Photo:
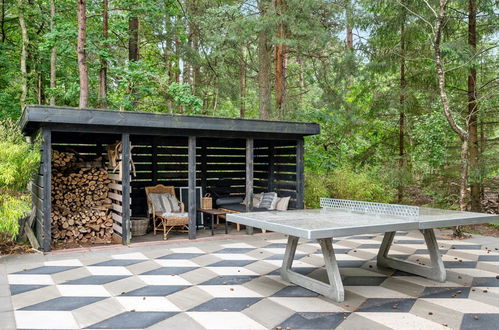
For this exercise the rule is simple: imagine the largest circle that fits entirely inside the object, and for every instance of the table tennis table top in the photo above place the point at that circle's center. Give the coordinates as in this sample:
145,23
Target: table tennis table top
337,222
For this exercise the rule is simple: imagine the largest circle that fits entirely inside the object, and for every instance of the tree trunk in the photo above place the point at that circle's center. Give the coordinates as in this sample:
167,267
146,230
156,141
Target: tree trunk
2,22
133,40
264,67
102,92
463,135
242,84
403,83
82,56
280,62
39,88
473,113
53,55
349,41
24,54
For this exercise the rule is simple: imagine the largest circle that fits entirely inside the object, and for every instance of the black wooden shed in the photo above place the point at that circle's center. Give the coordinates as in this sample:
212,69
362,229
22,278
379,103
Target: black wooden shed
221,155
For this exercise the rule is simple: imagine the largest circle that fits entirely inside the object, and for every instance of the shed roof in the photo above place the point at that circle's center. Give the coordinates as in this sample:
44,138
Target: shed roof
66,118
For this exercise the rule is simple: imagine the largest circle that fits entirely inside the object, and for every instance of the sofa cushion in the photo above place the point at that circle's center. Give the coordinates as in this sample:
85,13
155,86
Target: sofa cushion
228,200
241,208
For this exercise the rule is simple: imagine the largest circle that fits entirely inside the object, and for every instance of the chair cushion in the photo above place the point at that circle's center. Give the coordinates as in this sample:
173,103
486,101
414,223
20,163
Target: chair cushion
160,202
175,214
173,203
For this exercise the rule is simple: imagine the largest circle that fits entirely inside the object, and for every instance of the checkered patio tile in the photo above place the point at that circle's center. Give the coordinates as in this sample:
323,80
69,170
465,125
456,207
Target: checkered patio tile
236,285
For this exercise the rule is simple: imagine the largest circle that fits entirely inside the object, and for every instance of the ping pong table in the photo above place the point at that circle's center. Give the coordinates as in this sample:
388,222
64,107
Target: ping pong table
338,218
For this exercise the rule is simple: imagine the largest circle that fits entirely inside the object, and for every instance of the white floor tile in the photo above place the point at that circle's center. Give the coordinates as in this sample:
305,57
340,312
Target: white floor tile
130,256
229,291
307,304
147,304
163,280
45,320
108,270
30,279
231,271
464,305
225,320
187,250
83,291
233,256
402,321
238,246
176,263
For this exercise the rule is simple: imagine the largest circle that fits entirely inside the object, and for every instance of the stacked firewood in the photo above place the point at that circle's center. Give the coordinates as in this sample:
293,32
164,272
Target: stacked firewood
80,203
491,204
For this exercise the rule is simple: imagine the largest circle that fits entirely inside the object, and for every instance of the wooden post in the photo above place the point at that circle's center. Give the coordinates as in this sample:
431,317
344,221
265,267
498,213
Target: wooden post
300,181
192,187
249,180
126,188
204,172
271,170
47,188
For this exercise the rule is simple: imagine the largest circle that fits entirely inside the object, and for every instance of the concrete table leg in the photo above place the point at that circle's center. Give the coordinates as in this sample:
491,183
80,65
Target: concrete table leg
436,269
334,289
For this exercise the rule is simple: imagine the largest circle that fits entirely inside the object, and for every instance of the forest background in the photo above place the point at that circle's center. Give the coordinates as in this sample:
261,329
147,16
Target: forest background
405,91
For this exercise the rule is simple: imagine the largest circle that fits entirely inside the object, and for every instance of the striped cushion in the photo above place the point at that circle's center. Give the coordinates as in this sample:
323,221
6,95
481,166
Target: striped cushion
267,199
173,203
160,203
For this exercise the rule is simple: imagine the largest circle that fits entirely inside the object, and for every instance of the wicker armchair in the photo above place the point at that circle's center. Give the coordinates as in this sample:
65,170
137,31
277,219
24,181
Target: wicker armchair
161,219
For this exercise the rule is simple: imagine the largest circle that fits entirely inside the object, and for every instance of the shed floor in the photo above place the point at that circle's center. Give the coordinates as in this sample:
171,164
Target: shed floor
235,284
201,233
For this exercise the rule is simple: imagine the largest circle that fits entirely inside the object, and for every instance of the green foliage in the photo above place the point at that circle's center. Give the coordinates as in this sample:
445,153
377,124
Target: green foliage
18,161
346,183
12,208
182,95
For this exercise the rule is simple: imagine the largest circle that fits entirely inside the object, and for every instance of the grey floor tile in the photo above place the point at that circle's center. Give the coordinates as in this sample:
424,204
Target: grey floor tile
155,290
314,320
97,279
169,271
225,305
384,305
133,320
63,304
20,288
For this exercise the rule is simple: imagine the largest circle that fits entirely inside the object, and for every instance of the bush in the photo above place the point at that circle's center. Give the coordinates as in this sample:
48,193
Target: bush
18,161
345,183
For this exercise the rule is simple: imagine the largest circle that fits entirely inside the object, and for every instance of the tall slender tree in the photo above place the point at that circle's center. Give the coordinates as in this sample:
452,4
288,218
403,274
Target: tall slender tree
102,91
264,63
24,53
473,111
280,58
82,56
402,117
53,54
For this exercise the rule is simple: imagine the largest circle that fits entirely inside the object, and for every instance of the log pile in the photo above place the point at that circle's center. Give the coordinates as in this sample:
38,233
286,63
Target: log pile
491,204
80,203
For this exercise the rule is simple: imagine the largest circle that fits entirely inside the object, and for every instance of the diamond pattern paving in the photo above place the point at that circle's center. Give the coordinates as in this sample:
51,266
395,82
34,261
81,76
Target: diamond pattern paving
236,285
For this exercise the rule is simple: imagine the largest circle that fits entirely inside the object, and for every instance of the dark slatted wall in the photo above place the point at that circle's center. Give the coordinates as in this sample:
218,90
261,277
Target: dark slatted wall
275,168
223,166
157,160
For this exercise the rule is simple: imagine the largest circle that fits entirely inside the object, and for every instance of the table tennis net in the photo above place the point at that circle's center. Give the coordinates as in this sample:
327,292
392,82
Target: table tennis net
370,207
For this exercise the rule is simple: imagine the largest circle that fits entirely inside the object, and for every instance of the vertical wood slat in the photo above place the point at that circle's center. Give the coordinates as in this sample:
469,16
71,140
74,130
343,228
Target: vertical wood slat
249,179
300,182
126,188
47,188
192,187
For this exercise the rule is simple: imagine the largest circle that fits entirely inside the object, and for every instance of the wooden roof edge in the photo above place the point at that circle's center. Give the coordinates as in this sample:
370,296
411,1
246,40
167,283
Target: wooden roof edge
37,115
